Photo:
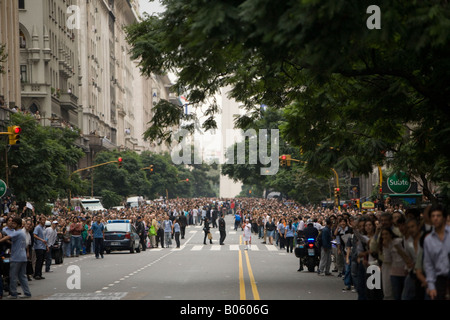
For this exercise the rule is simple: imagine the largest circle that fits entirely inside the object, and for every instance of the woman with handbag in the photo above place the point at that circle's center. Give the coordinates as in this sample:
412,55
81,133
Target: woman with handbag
207,233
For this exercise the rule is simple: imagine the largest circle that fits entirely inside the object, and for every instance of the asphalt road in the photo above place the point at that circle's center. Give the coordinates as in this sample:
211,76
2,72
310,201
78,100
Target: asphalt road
195,272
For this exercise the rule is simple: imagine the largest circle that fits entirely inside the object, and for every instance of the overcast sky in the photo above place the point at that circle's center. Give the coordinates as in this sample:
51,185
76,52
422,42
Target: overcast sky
151,6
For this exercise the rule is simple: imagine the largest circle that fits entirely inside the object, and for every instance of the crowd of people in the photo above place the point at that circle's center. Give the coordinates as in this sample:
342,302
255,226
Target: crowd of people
409,247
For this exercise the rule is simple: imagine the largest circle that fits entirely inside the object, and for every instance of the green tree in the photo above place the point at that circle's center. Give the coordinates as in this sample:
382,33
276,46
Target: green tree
125,181
353,97
111,199
43,161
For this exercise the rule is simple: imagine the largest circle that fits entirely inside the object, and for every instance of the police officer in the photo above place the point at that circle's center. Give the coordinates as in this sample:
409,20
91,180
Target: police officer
309,232
222,231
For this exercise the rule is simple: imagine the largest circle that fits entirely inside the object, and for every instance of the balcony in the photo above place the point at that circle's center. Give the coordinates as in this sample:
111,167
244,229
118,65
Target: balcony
35,90
68,101
98,143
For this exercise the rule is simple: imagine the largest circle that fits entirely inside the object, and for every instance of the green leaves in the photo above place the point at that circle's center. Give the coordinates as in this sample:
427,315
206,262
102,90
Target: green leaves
166,177
365,89
42,161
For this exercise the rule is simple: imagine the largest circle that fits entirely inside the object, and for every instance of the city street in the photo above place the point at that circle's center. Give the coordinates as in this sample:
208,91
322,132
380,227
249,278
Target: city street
193,272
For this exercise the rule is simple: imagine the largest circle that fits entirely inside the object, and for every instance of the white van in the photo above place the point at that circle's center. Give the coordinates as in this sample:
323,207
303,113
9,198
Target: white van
92,204
134,202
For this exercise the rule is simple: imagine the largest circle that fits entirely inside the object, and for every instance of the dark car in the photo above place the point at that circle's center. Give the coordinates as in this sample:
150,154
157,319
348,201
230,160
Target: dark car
121,235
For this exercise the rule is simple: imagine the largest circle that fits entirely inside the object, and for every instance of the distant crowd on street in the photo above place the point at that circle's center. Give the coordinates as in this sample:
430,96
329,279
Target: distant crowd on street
409,247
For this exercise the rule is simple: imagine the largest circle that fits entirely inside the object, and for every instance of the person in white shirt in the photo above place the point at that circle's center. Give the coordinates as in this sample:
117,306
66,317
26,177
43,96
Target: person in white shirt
301,225
194,215
247,234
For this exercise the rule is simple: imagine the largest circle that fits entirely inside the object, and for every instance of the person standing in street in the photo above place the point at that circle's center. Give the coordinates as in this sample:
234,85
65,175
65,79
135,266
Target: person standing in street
140,229
176,230
222,229
289,232
206,229
51,236
247,234
75,237
325,254
167,225
436,250
183,221
214,214
40,247
98,233
18,260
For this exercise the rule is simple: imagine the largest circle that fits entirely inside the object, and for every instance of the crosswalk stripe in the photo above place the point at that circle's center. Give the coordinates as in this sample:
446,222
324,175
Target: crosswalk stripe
215,248
197,248
271,247
234,247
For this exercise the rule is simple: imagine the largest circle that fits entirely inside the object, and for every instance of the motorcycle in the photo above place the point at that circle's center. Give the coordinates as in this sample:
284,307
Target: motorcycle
308,253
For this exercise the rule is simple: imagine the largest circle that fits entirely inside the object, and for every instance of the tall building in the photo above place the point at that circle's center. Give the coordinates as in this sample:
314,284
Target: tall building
69,64
230,109
10,77
49,62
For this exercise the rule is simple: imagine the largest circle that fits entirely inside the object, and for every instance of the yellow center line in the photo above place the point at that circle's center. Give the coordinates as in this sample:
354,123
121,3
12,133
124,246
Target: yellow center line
252,279
241,278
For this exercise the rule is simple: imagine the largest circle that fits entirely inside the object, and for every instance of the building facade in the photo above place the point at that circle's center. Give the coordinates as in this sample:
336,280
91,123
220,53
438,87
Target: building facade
10,89
49,63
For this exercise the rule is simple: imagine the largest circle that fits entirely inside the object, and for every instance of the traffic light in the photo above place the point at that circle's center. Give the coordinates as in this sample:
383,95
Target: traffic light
337,192
283,160
151,170
288,160
14,135
120,160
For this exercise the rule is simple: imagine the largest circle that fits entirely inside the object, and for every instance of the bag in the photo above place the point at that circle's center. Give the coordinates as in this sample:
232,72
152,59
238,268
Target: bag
209,236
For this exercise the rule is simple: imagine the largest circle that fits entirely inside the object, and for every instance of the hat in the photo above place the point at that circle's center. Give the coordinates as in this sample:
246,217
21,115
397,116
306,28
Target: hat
48,223
309,221
55,222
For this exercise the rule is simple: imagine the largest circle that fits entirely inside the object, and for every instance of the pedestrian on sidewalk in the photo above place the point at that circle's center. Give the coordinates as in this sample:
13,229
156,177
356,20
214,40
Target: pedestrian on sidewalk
325,251
18,260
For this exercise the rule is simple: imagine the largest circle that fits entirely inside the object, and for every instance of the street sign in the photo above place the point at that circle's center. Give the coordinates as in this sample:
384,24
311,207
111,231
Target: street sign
399,183
3,188
368,205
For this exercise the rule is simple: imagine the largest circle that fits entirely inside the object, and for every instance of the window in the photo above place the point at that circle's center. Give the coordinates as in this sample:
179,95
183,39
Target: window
23,74
21,4
22,40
